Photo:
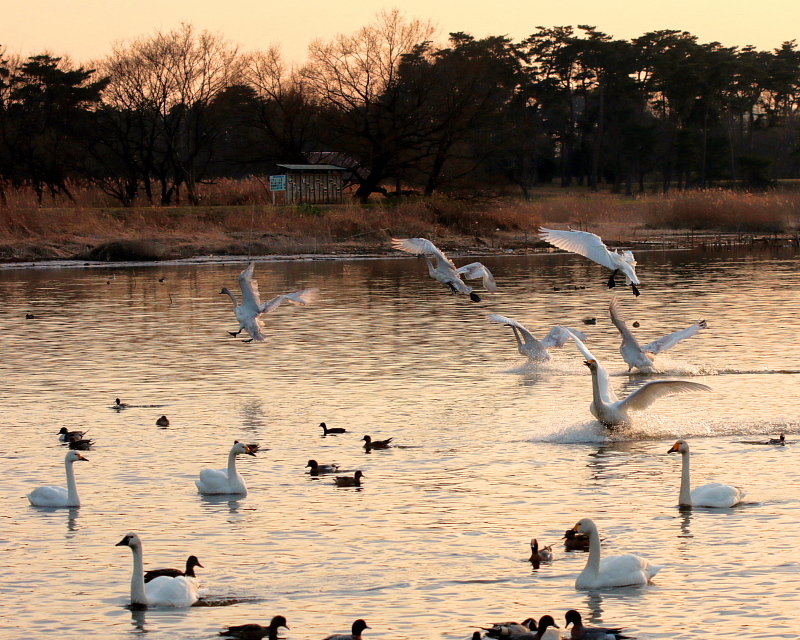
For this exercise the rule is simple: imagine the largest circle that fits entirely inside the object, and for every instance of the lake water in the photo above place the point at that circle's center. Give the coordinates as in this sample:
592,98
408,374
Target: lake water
490,453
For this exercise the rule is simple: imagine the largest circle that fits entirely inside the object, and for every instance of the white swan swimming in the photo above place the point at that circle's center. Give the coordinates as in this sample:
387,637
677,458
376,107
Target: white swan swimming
445,271
251,308
529,346
708,495
610,410
165,591
642,357
59,496
224,481
611,571
591,246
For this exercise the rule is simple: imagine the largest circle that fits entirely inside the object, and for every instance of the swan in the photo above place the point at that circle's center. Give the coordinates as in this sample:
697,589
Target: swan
318,469
642,357
64,435
370,444
612,571
545,554
530,346
191,563
59,496
355,632
224,481
256,631
613,412
251,308
445,271
326,429
591,246
579,632
164,591
347,481
708,495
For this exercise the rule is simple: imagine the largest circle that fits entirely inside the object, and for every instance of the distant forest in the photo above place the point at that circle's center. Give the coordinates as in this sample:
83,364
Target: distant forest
164,114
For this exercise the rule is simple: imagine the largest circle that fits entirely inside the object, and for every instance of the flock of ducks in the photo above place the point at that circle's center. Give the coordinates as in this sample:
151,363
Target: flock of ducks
172,587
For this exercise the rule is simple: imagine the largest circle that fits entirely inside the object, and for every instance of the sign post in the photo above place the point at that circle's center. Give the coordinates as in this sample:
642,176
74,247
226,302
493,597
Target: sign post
277,183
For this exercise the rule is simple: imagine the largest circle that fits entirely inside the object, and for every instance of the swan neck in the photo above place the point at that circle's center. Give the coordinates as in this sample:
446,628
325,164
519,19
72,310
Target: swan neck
231,466
138,595
72,488
598,401
685,496
593,563
233,297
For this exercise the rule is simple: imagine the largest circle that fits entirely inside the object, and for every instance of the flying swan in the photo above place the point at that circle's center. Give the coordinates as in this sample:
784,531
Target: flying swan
529,346
251,308
642,357
164,591
59,496
445,271
611,571
591,246
612,411
225,481
708,495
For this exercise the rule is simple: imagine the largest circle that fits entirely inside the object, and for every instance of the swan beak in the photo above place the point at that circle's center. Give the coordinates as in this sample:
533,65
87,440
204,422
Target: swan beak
80,457
122,543
675,447
221,292
575,528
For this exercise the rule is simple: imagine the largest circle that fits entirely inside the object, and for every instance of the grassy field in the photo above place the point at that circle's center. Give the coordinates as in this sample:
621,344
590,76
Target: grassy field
84,229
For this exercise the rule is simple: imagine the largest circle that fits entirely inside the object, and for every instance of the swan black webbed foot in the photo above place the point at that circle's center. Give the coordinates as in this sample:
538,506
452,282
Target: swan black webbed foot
474,297
635,290
247,341
611,284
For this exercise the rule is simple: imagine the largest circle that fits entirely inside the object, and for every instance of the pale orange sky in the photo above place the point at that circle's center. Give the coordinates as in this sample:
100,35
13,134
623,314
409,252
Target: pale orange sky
85,29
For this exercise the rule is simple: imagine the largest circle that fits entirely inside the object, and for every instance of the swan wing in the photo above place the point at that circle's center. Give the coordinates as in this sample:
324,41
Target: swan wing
607,394
583,243
250,299
716,494
49,497
559,335
627,569
647,394
213,481
172,592
304,297
476,270
419,246
513,323
670,340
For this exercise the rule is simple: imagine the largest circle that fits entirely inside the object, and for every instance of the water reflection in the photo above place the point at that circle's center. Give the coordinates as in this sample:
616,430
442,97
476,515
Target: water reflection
686,521
72,521
138,617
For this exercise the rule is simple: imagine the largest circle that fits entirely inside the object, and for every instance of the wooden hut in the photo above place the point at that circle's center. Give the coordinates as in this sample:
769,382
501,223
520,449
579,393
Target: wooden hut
313,183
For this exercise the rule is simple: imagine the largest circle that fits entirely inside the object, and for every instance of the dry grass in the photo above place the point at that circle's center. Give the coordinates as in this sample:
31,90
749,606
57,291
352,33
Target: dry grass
232,226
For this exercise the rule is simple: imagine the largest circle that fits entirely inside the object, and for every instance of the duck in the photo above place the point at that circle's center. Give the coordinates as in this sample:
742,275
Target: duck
613,412
84,444
30,316
715,495
369,443
592,246
166,591
326,429
319,469
611,571
579,632
59,496
639,357
225,481
574,541
545,554
256,631
248,312
529,346
347,481
191,563
779,441
120,405
163,421
445,271
355,632
510,629
68,436
541,631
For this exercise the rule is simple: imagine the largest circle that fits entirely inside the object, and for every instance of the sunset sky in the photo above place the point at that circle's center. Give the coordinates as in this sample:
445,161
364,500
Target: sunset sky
85,29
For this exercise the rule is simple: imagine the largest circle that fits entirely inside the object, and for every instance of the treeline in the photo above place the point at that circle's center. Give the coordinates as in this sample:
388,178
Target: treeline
166,113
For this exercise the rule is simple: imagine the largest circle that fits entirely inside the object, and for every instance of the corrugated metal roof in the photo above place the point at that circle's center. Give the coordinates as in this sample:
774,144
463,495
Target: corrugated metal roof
312,167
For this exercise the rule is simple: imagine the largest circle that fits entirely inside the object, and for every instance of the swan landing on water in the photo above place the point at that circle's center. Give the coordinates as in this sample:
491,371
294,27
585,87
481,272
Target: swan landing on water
529,346
445,271
251,308
591,246
162,591
612,411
